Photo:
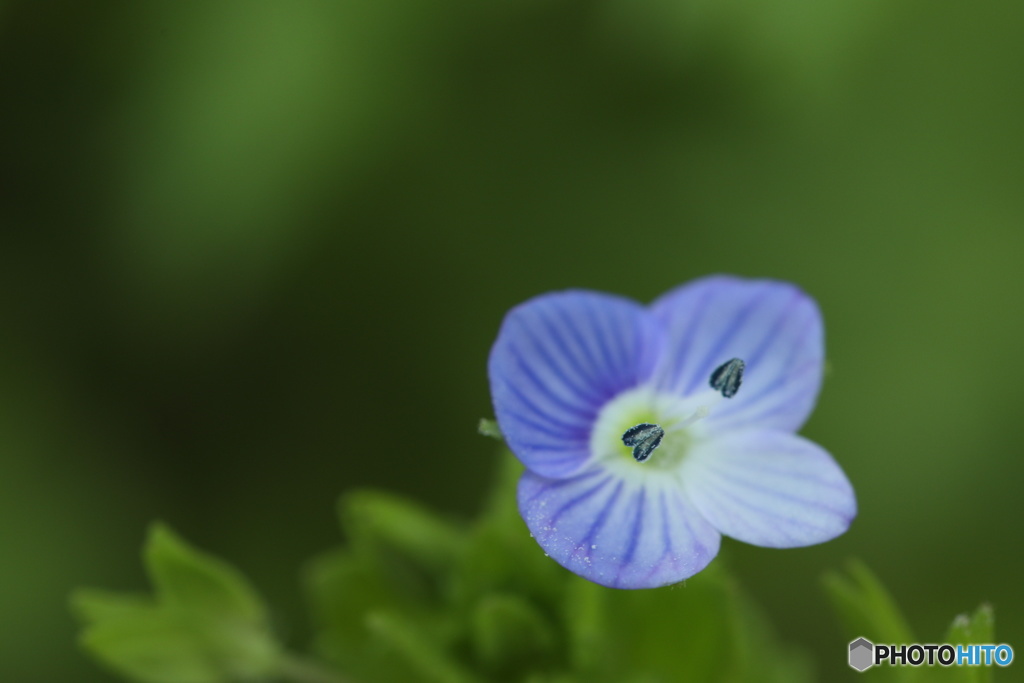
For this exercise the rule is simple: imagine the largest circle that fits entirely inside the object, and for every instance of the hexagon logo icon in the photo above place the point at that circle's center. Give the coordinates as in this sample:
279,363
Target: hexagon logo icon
862,654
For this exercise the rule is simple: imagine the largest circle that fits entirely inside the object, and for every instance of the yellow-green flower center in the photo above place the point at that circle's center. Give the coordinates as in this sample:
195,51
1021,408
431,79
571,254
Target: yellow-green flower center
677,417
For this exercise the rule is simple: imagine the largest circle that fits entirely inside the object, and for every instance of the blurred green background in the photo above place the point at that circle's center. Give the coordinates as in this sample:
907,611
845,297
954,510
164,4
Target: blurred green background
254,254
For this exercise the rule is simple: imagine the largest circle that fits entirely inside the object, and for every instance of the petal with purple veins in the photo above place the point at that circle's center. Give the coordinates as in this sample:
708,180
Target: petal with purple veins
774,327
618,532
769,488
557,360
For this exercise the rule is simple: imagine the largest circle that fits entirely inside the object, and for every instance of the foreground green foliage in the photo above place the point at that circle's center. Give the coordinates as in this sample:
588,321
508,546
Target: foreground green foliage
416,598
204,623
867,610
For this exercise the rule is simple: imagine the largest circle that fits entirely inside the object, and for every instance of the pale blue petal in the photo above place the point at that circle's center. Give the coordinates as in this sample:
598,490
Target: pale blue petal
769,488
617,532
774,327
557,360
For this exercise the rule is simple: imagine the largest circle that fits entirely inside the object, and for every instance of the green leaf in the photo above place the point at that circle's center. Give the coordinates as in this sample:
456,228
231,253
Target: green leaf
973,628
205,625
341,590
511,637
419,649
192,580
420,600
977,628
97,605
703,629
154,647
381,522
344,589
758,656
865,607
400,561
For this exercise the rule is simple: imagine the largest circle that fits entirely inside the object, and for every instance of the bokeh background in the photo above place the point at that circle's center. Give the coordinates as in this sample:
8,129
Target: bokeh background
254,255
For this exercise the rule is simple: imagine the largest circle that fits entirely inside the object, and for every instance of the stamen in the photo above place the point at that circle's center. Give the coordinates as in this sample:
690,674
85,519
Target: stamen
699,414
727,377
644,438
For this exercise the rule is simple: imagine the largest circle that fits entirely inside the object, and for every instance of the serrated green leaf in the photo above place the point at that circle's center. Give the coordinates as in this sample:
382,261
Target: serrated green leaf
161,644
192,580
865,607
90,604
511,637
973,628
968,629
343,589
513,614
758,657
152,646
375,519
205,625
428,657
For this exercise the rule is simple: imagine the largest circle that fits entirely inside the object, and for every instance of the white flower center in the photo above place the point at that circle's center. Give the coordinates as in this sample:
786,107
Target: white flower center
680,418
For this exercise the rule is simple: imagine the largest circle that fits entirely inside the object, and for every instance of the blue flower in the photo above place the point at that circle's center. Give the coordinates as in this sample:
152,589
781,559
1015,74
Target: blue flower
646,439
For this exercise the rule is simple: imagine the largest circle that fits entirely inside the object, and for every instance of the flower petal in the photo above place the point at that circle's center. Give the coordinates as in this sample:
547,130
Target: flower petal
559,358
772,326
617,532
769,488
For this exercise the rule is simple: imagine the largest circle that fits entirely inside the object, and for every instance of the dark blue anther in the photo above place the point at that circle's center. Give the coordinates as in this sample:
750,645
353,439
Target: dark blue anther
727,377
643,439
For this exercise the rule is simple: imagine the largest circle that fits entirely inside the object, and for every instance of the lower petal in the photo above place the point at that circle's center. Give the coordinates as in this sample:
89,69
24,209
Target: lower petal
618,533
771,489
